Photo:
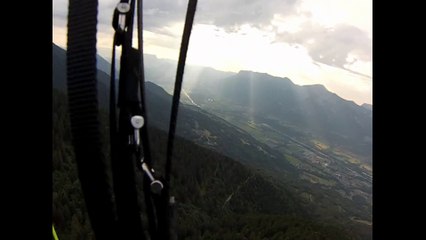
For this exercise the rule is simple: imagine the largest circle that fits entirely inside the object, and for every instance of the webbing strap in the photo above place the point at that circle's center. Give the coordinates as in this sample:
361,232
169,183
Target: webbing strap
83,107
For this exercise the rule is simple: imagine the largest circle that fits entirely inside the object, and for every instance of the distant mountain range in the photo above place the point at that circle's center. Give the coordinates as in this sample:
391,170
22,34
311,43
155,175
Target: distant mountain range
303,112
310,111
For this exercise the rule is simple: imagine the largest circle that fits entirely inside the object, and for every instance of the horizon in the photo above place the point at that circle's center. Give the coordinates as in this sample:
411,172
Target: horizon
305,41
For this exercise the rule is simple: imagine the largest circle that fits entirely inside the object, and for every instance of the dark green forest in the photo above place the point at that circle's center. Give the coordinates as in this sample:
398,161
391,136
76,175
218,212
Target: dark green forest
217,197
69,213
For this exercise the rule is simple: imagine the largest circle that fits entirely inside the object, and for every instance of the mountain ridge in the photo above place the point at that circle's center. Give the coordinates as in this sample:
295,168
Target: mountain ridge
311,109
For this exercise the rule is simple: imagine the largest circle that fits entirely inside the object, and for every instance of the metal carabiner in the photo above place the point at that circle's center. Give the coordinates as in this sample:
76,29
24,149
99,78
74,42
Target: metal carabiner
119,22
122,9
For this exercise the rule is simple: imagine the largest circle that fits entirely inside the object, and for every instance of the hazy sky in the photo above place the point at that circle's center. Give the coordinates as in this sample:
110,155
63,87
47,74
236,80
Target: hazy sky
325,42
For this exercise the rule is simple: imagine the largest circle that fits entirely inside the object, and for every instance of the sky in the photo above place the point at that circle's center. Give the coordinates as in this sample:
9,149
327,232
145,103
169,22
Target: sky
326,42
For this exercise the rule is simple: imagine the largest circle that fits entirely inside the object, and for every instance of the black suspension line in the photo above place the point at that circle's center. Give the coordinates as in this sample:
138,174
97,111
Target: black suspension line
190,14
151,214
178,85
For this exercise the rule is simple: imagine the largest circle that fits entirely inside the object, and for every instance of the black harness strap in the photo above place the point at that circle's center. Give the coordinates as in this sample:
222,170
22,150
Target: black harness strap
83,107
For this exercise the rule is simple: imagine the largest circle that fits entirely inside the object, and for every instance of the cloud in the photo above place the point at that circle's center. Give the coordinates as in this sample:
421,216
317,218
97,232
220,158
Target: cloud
226,14
339,46
162,13
230,15
60,12
166,17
